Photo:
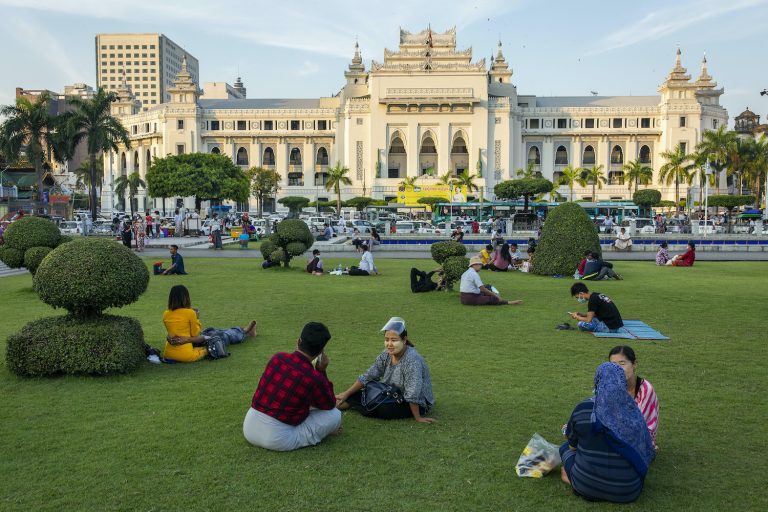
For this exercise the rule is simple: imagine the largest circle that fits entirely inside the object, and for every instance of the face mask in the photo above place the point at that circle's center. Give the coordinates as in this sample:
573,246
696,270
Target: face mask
581,300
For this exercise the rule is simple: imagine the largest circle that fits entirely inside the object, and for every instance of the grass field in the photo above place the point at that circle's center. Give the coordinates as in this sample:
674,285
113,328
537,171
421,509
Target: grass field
168,437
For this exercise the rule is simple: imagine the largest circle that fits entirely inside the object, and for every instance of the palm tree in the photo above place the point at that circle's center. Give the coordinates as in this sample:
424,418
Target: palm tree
92,121
131,183
528,172
637,173
594,175
83,174
467,181
716,146
759,165
699,169
677,169
337,176
28,129
408,181
446,179
570,176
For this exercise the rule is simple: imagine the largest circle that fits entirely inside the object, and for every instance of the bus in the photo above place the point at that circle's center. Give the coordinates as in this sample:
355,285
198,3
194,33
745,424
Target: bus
489,209
620,210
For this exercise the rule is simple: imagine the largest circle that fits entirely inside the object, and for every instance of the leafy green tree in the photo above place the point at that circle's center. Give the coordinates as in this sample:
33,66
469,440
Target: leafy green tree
594,176
446,179
337,176
524,187
294,204
529,171
637,173
730,203
292,238
566,235
264,184
204,176
677,169
91,121
131,184
646,198
571,176
359,203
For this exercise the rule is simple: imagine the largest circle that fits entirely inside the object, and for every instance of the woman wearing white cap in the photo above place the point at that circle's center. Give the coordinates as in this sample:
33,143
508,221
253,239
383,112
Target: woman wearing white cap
401,367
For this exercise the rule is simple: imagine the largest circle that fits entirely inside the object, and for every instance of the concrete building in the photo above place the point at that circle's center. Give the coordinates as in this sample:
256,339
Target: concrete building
426,105
149,62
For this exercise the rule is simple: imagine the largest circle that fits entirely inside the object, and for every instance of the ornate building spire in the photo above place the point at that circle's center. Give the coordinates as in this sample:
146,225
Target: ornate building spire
239,87
356,74
705,80
500,71
184,88
678,74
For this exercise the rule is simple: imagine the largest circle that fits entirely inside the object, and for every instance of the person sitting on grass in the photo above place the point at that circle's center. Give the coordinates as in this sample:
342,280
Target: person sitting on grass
596,269
422,281
315,265
327,234
185,342
609,449
475,293
367,266
294,405
623,241
177,263
399,366
527,265
579,274
502,260
639,389
686,259
486,256
517,257
662,256
602,314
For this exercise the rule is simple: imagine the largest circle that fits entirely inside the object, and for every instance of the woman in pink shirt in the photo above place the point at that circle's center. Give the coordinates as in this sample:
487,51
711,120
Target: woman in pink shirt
502,259
640,389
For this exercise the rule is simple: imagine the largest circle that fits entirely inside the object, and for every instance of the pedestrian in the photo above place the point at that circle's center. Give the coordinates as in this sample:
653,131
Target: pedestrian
216,232
139,232
156,222
126,231
178,220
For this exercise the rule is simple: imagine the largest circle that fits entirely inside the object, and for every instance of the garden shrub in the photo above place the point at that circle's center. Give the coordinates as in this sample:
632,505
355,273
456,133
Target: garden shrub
293,238
567,233
34,256
14,258
277,256
453,268
296,248
646,198
29,232
64,239
100,345
443,250
267,247
89,275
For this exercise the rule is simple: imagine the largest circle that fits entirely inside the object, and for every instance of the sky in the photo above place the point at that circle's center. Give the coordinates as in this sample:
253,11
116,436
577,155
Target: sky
300,49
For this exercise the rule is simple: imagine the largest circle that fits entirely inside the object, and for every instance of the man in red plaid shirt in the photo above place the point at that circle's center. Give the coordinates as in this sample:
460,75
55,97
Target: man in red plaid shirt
294,405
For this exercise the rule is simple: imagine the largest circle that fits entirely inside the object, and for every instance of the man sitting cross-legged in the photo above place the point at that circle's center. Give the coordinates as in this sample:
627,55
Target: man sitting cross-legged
602,314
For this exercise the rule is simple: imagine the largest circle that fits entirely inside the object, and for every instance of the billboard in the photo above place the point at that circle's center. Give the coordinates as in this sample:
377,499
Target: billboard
410,195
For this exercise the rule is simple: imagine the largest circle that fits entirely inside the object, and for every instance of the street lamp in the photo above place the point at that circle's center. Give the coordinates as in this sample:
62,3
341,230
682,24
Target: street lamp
706,195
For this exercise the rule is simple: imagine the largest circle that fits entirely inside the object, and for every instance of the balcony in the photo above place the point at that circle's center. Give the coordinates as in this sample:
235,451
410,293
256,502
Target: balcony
320,179
320,167
295,179
270,166
294,168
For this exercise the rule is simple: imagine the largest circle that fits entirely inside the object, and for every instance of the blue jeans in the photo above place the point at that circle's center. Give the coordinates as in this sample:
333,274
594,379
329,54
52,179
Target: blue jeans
595,326
231,336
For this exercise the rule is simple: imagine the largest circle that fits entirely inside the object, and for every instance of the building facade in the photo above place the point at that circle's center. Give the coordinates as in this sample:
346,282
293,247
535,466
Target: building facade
428,106
147,62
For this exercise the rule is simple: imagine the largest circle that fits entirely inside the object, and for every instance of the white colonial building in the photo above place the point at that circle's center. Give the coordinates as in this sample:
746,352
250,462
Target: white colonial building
427,105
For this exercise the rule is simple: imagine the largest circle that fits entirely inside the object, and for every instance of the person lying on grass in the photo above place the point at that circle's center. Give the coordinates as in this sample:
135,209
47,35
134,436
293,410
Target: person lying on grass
185,342
475,293
399,366
602,314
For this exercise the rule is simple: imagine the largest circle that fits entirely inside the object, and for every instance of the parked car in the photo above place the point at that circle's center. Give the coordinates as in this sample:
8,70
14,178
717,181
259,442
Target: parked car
414,226
71,227
362,225
318,223
709,227
102,227
643,225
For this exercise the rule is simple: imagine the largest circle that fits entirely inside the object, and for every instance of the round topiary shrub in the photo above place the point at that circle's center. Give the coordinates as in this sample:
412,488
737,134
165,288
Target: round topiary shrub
64,239
267,247
293,238
567,233
296,248
89,275
98,345
453,268
646,198
443,250
277,256
14,258
29,232
34,256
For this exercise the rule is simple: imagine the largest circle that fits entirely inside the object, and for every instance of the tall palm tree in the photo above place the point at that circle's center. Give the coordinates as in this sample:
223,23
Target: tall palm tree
446,179
528,172
28,129
130,183
699,170
337,176
716,146
408,181
593,176
83,174
637,173
677,169
758,164
92,121
571,176
467,181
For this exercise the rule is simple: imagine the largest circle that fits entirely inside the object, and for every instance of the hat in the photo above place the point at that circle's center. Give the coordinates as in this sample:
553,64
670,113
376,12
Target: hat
475,261
396,324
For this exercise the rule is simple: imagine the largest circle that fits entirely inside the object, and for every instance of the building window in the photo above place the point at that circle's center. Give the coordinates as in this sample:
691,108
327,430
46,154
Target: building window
682,121
533,124
617,122
241,125
180,124
269,125
179,149
359,120
269,157
714,124
645,122
589,123
617,155
683,148
322,125
645,155
295,157
215,125
562,123
534,156
242,156
589,156
295,125
151,47
561,155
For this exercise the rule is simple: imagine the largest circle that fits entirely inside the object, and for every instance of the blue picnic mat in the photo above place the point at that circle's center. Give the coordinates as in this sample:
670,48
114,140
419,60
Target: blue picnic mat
633,330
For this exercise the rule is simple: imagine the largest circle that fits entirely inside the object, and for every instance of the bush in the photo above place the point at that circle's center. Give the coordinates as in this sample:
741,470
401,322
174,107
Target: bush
453,268
296,248
647,197
29,232
267,247
443,250
293,238
277,256
14,258
64,239
100,345
89,275
566,235
34,256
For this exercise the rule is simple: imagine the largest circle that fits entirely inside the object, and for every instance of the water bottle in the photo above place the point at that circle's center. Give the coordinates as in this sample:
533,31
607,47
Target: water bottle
338,269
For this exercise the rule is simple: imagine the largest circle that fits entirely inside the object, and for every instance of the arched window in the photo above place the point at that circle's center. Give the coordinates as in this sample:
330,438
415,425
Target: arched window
295,158
149,158
123,164
589,156
397,145
216,151
617,155
322,156
269,157
459,145
645,155
242,156
561,156
135,161
534,156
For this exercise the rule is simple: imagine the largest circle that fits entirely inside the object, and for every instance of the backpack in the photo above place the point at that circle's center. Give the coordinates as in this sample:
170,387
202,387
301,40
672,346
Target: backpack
217,349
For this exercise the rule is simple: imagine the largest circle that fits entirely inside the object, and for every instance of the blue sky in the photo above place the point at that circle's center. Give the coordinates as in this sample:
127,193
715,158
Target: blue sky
300,49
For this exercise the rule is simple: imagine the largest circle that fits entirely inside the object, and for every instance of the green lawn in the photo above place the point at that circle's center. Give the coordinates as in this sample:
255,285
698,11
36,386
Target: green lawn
169,437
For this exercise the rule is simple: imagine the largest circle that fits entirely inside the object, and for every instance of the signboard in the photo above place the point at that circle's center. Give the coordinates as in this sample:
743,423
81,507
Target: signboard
410,195
58,198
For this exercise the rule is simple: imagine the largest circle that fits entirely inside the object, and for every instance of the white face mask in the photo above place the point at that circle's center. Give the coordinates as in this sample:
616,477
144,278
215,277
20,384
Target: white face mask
581,300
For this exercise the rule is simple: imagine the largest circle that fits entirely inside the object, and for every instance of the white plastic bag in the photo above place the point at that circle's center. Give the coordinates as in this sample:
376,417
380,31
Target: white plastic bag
538,458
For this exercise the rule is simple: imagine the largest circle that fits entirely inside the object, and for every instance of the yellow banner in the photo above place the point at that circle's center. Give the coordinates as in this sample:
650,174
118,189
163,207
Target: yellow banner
410,196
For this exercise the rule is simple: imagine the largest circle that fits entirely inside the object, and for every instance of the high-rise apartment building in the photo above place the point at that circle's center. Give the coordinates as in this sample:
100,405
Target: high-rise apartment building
150,63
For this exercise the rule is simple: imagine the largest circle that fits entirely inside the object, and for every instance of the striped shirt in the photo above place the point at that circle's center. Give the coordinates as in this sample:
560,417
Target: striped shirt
646,400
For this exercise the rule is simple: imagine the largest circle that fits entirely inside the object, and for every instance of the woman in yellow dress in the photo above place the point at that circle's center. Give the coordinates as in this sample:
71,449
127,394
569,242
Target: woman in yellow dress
186,343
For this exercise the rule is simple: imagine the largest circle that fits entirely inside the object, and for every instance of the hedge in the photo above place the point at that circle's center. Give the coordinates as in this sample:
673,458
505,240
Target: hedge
89,275
443,250
453,268
14,258
567,233
34,256
100,345
29,232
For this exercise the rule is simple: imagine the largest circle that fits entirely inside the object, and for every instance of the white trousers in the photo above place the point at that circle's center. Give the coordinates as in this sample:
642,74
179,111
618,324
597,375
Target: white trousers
265,431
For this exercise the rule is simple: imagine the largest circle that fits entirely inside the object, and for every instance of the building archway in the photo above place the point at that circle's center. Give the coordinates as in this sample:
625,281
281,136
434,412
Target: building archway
216,151
428,154
269,157
242,156
397,161
589,156
617,155
645,155
459,154
561,156
534,156
321,166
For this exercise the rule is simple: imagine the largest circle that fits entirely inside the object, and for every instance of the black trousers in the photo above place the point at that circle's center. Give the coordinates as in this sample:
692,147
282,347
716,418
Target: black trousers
127,239
422,281
355,271
384,411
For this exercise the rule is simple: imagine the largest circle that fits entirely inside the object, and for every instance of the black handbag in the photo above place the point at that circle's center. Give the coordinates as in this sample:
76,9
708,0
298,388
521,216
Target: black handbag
375,394
217,349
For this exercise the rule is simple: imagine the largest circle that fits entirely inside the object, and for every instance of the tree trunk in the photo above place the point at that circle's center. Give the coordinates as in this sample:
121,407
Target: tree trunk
39,176
259,205
163,206
92,188
594,198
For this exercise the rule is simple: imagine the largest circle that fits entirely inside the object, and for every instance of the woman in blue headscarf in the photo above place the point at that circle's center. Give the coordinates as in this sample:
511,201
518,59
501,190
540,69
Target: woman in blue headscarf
609,448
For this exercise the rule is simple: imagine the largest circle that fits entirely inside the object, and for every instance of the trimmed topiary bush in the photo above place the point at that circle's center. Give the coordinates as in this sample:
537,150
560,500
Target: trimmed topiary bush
99,345
453,267
567,233
64,239
647,197
267,247
293,238
34,256
88,275
443,250
14,258
29,232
